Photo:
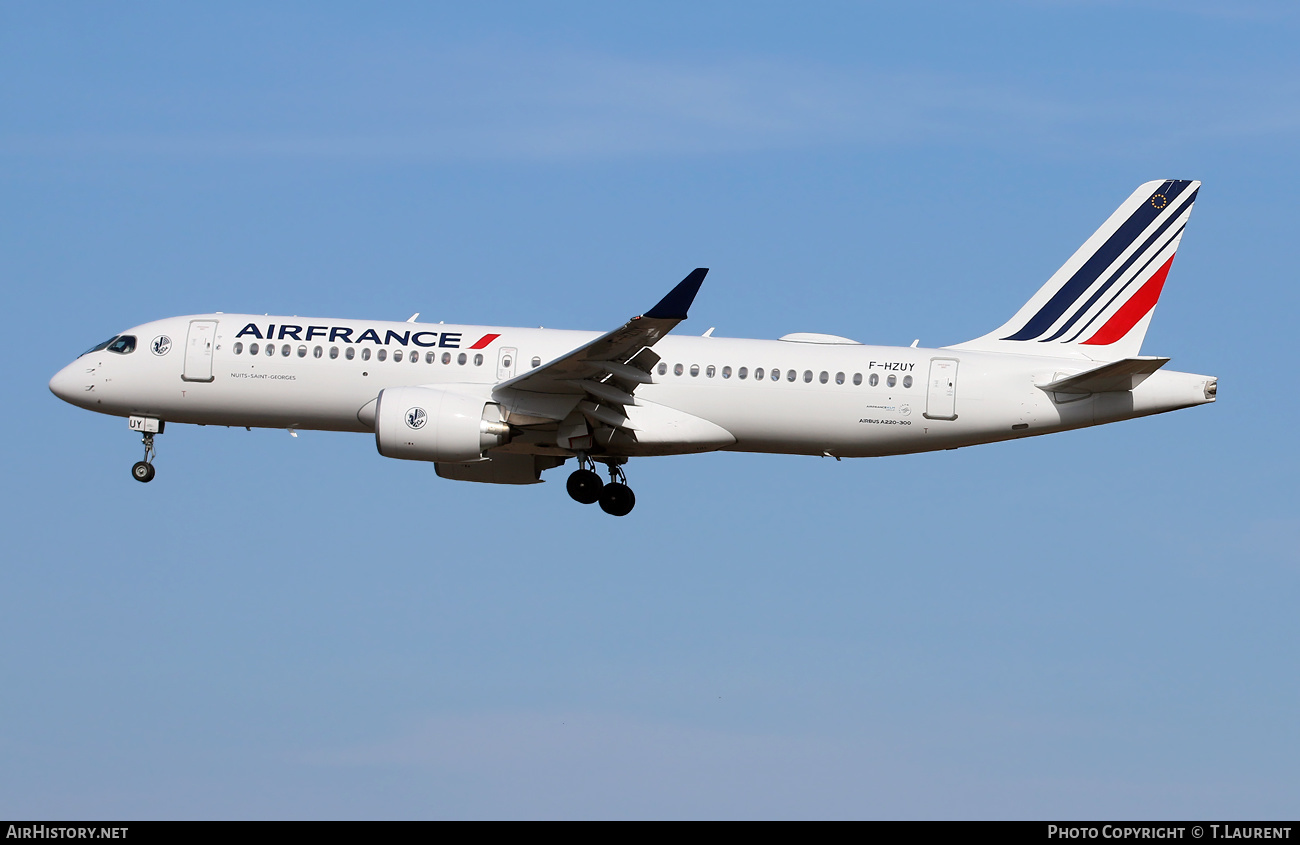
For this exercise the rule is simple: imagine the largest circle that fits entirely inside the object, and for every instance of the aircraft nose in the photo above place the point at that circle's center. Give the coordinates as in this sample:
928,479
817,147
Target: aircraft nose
66,384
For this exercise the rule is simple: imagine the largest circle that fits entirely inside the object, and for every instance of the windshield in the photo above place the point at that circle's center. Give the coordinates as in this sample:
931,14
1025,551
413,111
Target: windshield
98,347
122,345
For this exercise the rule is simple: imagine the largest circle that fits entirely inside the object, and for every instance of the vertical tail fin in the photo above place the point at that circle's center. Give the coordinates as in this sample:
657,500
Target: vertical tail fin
1099,304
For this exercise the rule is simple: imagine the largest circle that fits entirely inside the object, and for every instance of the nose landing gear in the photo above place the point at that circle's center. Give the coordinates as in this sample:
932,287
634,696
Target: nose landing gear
143,471
585,486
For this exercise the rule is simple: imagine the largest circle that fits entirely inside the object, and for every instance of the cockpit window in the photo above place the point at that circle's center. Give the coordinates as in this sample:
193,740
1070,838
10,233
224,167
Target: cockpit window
100,346
123,344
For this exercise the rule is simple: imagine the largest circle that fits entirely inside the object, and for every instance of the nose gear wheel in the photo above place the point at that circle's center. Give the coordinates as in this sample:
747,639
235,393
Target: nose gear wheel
143,471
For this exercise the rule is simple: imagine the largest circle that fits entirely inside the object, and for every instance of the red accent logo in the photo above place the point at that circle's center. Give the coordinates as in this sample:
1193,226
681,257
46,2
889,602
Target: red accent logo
484,341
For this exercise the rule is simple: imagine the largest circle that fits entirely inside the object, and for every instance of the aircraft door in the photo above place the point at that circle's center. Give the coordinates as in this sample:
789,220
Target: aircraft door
506,363
941,392
198,350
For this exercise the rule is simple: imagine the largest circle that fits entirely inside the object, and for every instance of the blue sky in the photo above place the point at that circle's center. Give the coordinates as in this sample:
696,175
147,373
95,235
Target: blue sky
1093,624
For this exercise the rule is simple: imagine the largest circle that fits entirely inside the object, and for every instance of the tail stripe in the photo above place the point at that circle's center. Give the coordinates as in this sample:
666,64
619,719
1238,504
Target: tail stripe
1138,306
1137,254
1119,293
1097,263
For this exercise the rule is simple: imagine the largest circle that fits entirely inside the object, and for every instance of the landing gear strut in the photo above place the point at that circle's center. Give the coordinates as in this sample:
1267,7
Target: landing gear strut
616,498
143,470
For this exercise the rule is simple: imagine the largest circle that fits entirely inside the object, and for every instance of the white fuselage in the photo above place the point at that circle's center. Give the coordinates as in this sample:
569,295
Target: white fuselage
844,399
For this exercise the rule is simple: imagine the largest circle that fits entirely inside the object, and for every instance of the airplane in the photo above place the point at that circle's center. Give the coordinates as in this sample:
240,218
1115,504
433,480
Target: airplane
501,405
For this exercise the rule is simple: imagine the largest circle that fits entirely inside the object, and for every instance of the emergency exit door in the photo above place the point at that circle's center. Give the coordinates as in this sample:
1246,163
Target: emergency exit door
506,363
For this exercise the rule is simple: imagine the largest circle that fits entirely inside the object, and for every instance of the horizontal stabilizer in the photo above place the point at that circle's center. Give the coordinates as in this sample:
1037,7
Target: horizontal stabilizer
1118,376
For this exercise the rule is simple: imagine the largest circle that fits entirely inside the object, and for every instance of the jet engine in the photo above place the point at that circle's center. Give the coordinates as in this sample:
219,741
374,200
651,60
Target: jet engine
436,424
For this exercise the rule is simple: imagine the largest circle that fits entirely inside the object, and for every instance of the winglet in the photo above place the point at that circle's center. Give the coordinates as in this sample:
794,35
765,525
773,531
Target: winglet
678,301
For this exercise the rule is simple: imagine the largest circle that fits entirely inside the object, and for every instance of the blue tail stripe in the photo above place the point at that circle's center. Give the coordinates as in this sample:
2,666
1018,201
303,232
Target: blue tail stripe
1139,275
1097,263
1138,253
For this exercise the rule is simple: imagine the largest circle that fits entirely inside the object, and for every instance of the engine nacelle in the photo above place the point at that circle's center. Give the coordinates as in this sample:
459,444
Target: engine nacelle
434,424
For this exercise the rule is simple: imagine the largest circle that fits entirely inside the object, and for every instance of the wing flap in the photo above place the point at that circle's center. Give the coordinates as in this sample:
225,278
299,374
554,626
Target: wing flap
606,391
654,429
608,414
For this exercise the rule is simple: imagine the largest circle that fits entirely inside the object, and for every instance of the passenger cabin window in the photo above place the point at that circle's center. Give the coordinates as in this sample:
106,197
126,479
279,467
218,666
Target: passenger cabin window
397,354
123,345
381,354
758,374
839,378
270,349
365,354
743,373
334,352
824,377
317,352
892,380
446,357
776,375
415,357
302,352
253,348
677,369
430,357
874,380
478,360
695,370
907,381
726,372
506,361
238,348
711,371
857,378
807,376
350,353
537,362
285,350
663,369
462,358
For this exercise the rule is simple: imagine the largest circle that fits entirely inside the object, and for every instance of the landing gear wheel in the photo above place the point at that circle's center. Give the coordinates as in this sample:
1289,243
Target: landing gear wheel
616,499
585,486
143,471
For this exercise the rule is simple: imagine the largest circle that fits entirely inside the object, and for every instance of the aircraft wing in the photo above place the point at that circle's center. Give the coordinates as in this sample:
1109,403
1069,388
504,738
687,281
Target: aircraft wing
610,367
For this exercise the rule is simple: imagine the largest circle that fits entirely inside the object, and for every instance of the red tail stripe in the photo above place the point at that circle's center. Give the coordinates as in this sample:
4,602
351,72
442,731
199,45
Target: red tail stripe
485,340
1137,307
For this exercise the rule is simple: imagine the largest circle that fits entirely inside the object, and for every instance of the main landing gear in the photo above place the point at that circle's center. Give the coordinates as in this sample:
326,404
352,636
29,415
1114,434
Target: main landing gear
585,486
143,470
